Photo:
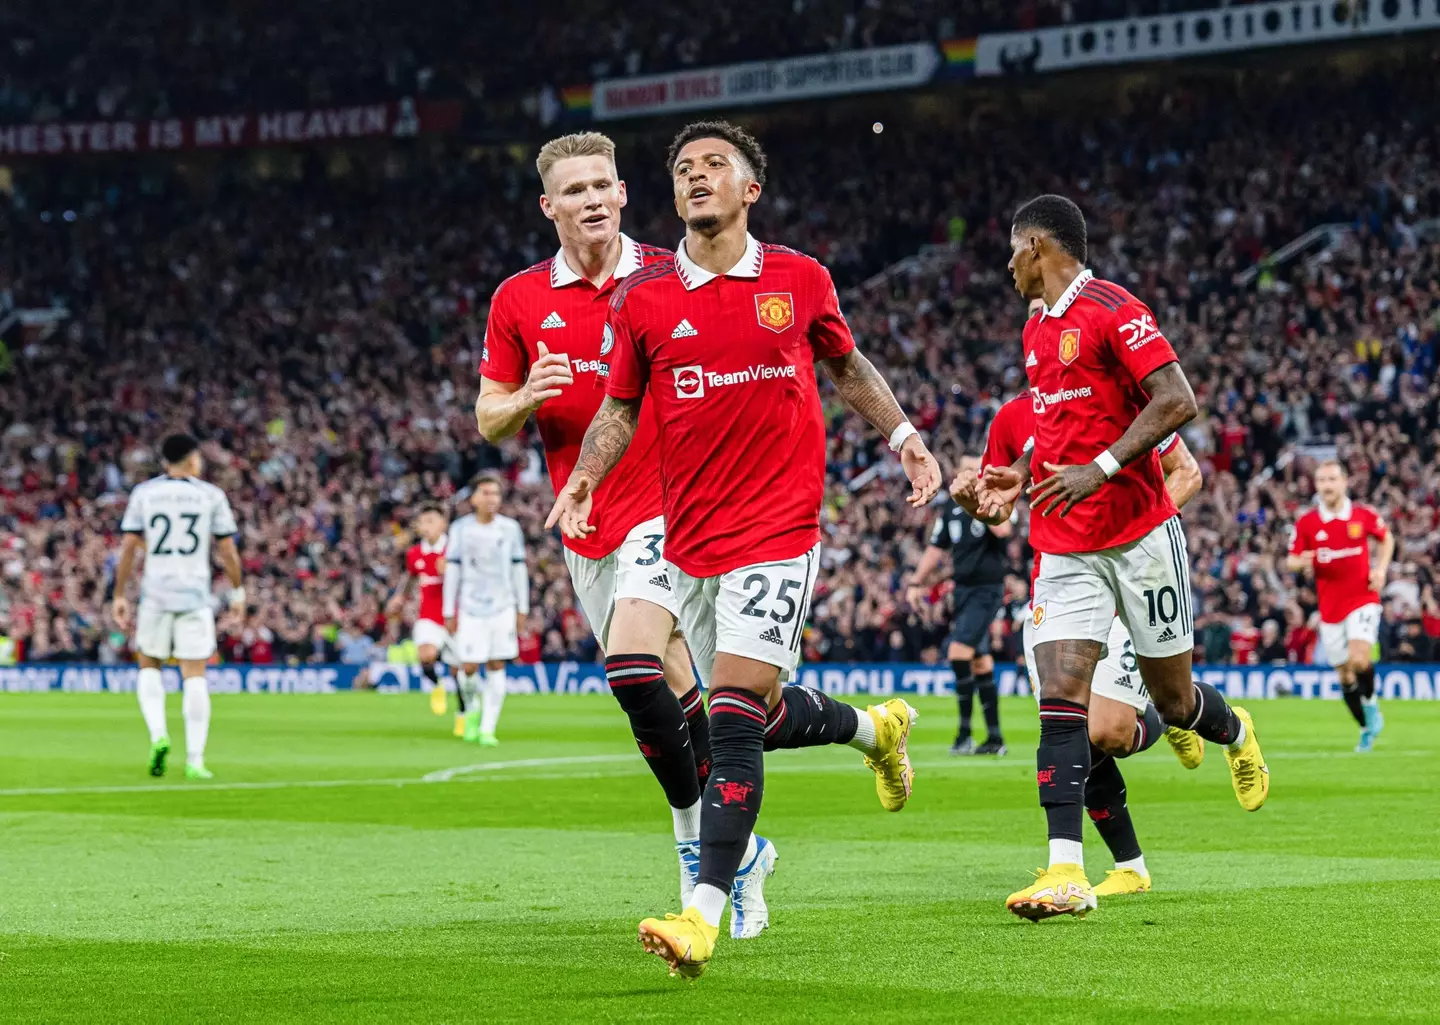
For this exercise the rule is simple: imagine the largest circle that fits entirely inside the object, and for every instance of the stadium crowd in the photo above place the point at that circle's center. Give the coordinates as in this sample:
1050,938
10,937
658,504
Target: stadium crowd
322,336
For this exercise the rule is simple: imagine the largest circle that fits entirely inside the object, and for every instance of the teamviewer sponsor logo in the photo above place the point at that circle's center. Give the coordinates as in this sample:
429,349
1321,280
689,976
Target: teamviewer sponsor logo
689,382
1328,555
589,366
1043,400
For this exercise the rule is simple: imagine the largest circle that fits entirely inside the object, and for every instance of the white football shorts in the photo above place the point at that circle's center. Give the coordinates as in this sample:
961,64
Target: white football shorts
1116,677
637,569
182,635
1361,625
427,631
480,639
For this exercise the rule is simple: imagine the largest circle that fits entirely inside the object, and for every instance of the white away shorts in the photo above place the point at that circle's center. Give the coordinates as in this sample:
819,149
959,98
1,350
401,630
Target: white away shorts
480,639
1116,677
182,635
1146,581
1361,625
756,612
637,569
427,631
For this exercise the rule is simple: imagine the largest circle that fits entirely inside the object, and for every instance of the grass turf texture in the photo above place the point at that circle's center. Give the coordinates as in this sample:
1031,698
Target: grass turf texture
511,894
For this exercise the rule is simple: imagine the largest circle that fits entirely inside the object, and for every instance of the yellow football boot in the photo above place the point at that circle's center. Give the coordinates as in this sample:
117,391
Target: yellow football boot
1248,772
1120,881
1058,890
459,730
437,699
685,942
1188,747
891,764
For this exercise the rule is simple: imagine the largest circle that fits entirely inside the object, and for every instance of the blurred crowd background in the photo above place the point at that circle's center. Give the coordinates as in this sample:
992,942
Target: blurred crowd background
316,317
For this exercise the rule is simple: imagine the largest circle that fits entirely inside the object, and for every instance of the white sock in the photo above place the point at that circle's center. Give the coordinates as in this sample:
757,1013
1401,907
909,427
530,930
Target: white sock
687,823
1239,740
150,689
864,738
1138,864
196,706
710,902
492,700
465,684
1067,852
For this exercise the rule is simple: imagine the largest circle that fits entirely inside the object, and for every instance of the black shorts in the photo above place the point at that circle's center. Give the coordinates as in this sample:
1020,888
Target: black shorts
975,609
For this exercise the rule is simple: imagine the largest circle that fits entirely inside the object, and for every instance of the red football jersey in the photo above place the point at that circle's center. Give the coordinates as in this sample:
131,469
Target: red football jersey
1085,359
427,566
1342,556
728,363
550,303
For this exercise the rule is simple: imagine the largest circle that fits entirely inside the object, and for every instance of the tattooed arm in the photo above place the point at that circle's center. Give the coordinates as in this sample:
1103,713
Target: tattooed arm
605,443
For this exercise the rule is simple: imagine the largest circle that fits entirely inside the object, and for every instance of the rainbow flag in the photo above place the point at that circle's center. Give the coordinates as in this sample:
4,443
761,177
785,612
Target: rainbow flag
578,99
959,56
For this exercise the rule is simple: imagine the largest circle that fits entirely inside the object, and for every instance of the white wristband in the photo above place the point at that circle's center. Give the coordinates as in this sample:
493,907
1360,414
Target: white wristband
237,596
899,434
1108,463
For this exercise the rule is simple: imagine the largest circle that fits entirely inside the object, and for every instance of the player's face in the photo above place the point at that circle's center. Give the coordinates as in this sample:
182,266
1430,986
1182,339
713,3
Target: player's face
1024,264
1330,484
486,499
713,185
431,526
584,196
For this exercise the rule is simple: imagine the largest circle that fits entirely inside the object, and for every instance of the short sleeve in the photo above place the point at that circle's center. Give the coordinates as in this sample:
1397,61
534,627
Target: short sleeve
503,356
1376,525
452,543
629,368
829,333
222,519
939,536
133,522
517,541
1136,340
1299,538
1002,442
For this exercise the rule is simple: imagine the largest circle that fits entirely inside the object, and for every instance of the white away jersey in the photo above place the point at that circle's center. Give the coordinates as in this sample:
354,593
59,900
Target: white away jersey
177,516
485,570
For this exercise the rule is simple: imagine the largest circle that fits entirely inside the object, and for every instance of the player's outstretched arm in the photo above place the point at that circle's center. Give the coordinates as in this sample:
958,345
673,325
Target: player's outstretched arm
865,391
606,440
503,406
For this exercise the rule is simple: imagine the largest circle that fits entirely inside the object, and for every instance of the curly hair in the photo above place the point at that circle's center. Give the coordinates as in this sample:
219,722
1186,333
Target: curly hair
736,136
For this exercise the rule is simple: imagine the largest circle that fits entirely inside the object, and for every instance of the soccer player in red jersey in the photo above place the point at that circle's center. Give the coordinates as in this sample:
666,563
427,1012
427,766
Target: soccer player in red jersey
545,346
1106,389
425,566
1332,541
724,340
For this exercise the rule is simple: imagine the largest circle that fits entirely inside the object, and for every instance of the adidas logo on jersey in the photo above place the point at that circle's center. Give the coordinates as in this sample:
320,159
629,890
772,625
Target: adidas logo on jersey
1031,361
773,636
552,321
661,581
684,330
1166,635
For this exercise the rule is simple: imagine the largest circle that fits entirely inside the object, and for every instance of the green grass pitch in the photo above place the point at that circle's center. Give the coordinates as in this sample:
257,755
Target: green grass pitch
321,878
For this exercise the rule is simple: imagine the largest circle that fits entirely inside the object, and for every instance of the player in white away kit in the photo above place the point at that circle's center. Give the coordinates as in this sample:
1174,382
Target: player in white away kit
171,518
487,597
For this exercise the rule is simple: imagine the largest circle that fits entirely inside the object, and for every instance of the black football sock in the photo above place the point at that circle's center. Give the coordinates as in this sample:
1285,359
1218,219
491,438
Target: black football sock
1365,679
737,783
964,694
459,692
1351,693
1148,729
693,705
638,682
1212,719
427,669
990,704
1061,764
807,718
1105,803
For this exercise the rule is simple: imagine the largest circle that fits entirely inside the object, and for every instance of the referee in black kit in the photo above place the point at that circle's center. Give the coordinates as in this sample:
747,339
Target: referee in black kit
978,560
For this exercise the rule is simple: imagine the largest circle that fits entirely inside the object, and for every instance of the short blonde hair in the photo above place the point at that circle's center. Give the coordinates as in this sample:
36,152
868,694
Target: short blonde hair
578,144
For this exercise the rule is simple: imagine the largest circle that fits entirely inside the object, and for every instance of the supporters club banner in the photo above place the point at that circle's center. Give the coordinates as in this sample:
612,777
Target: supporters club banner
869,679
397,119
1195,34
741,85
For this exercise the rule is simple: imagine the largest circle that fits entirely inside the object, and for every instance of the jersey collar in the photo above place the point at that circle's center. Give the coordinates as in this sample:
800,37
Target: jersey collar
631,259
1326,516
1063,303
438,548
692,275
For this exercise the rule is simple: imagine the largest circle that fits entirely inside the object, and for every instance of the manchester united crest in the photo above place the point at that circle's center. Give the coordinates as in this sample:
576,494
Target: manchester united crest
1355,530
1037,615
1069,345
775,310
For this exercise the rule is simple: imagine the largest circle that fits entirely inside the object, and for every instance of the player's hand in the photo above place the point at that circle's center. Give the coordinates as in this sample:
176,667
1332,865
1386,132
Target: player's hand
450,624
998,489
922,469
548,375
572,509
1065,488
120,609
1377,579
965,488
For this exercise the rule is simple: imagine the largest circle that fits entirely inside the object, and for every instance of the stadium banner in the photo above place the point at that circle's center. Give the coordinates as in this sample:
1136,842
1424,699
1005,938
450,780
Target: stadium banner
395,119
741,85
870,679
1197,33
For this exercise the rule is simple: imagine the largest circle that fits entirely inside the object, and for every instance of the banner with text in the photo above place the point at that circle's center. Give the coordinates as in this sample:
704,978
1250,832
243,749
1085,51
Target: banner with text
877,679
1195,34
397,119
740,85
